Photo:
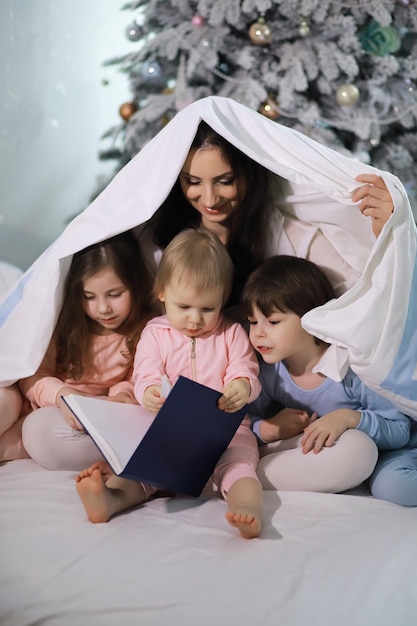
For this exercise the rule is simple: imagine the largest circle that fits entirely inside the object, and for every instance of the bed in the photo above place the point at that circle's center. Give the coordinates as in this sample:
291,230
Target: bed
344,559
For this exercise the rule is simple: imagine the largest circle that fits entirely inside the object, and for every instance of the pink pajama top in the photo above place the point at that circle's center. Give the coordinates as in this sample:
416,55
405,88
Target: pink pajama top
111,364
212,359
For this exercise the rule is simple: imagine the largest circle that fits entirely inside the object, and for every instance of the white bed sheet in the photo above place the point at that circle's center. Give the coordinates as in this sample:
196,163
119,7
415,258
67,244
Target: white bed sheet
323,559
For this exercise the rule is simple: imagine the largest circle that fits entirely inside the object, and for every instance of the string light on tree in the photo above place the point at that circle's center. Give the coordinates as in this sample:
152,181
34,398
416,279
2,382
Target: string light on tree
260,33
347,95
304,29
127,109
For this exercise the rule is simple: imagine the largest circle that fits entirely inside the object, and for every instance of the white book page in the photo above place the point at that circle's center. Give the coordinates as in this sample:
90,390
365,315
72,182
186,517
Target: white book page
165,386
116,428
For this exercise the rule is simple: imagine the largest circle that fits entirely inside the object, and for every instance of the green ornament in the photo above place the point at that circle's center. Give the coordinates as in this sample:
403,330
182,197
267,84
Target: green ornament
379,40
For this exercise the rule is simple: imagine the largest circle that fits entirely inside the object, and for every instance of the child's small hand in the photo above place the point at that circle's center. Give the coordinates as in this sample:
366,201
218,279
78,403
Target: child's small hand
376,200
66,412
285,424
235,395
152,400
325,431
122,397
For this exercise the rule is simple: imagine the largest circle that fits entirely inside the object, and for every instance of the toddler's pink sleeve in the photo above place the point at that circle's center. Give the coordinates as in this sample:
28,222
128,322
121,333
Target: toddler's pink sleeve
242,360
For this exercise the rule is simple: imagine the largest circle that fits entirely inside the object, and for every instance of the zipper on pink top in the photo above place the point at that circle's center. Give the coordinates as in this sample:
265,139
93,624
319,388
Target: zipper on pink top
193,356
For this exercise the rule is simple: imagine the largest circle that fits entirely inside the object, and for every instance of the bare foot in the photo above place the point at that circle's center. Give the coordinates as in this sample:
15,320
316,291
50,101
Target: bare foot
95,496
105,470
248,524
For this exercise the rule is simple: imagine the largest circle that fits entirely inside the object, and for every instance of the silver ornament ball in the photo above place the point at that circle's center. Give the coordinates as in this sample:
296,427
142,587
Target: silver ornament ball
134,32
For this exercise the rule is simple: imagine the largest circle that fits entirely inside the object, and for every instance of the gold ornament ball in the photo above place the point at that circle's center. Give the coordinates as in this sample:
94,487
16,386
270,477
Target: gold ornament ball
260,33
347,95
127,109
270,109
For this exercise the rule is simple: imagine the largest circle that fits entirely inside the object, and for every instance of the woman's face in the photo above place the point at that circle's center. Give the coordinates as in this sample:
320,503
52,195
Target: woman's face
208,183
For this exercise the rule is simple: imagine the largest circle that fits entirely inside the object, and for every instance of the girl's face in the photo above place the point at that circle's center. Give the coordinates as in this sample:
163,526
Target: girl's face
279,337
191,311
208,183
106,300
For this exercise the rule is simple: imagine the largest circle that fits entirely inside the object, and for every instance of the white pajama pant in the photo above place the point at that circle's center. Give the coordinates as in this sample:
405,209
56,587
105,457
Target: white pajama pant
345,465
51,442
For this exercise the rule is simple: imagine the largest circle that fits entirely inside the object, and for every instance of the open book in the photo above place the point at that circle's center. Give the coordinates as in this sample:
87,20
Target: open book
176,449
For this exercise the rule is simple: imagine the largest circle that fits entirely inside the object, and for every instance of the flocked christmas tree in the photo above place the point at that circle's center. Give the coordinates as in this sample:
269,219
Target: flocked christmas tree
341,72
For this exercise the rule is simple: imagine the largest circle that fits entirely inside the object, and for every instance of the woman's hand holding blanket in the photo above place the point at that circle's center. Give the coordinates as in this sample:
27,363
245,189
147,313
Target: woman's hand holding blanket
375,200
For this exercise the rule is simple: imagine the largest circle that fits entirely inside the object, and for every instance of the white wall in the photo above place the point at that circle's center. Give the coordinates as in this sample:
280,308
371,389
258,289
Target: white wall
54,107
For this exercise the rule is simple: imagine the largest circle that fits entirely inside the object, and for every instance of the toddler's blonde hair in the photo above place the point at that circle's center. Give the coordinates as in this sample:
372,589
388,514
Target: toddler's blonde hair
197,256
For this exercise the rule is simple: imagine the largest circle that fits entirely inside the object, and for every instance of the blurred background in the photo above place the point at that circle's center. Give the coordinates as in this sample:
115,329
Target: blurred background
56,100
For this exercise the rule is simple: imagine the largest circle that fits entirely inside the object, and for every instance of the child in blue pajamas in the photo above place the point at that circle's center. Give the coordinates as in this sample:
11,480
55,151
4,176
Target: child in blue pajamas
276,296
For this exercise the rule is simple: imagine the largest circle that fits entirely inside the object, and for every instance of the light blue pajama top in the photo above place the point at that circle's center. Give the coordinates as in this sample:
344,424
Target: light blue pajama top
379,418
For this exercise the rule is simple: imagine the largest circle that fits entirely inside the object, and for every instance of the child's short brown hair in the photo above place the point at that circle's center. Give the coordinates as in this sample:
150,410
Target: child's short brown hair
286,283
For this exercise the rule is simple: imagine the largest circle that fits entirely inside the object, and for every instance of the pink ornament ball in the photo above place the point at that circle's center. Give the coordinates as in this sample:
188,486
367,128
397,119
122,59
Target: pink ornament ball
197,20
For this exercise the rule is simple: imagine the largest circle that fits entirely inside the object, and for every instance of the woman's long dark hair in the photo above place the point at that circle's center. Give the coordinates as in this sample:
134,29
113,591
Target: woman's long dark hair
73,332
248,225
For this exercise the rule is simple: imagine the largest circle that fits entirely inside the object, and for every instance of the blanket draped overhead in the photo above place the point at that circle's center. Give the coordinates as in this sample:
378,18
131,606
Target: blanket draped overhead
372,327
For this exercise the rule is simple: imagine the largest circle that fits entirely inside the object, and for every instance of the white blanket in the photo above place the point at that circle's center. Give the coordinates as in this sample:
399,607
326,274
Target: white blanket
372,327
322,560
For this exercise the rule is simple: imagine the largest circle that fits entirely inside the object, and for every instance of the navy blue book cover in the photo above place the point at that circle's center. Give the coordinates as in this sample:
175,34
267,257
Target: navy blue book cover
186,439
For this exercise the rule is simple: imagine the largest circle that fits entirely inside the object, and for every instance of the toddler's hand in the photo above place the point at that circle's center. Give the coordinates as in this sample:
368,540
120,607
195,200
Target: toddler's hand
152,400
235,395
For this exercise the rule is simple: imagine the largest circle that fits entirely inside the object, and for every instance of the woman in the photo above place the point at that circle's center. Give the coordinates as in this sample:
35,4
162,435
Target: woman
226,192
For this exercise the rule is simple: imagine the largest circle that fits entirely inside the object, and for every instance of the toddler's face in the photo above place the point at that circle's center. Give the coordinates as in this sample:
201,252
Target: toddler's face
192,312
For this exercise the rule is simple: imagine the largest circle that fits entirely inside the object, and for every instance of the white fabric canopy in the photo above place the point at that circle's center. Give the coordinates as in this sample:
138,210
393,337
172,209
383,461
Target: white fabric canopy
372,327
